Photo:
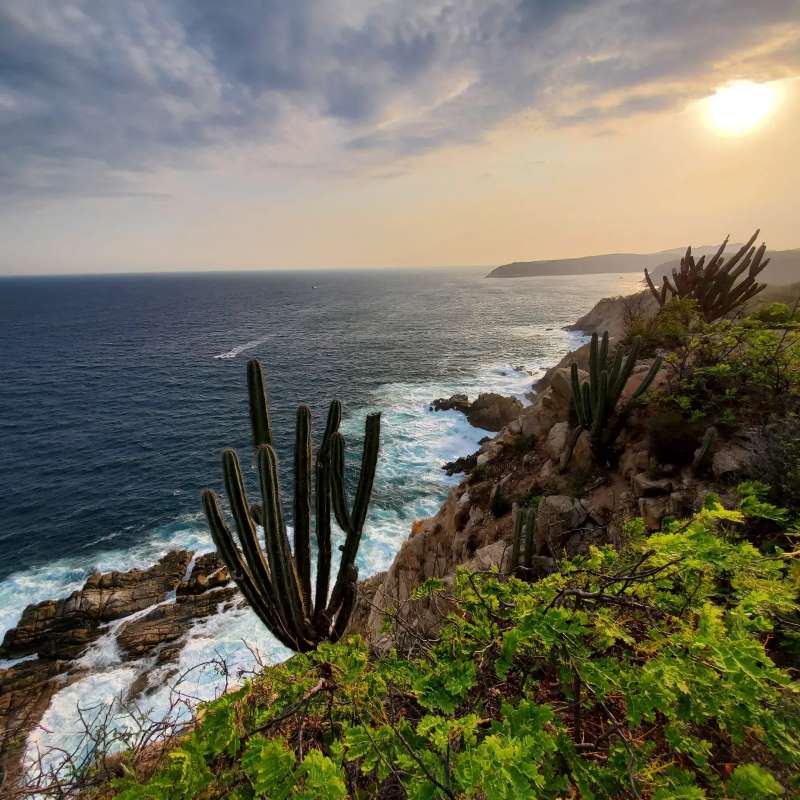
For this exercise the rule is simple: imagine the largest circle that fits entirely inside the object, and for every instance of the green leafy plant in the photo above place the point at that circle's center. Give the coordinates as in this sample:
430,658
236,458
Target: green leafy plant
275,581
645,672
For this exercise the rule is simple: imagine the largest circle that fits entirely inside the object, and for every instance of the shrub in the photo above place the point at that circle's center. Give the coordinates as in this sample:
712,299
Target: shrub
773,314
643,672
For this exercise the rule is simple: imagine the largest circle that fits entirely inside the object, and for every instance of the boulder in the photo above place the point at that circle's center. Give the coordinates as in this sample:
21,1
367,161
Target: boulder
651,487
556,441
637,376
208,572
493,411
558,517
463,464
561,382
64,628
26,690
731,460
457,402
652,511
539,417
168,622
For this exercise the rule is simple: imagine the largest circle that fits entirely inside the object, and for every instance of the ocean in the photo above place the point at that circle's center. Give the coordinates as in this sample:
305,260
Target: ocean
118,393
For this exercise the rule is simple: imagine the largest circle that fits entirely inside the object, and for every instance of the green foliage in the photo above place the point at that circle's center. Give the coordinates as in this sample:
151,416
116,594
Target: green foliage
751,782
274,578
733,372
773,314
646,672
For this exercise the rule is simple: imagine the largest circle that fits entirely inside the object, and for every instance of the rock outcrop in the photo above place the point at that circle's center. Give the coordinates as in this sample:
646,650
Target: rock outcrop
489,411
57,632
64,628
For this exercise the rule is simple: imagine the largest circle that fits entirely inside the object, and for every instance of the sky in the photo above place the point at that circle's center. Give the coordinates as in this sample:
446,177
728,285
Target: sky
195,134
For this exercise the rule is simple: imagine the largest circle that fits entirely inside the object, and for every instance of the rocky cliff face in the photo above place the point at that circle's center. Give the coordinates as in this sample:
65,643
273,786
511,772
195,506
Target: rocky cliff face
582,507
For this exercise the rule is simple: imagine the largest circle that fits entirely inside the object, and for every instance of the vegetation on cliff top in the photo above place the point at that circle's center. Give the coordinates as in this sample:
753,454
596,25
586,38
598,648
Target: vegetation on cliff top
656,671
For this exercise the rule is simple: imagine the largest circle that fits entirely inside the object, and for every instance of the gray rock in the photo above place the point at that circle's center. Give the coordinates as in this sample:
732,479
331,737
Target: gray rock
651,487
730,460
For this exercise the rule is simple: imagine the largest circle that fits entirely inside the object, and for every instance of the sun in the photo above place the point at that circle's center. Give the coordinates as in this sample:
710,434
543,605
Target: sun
740,107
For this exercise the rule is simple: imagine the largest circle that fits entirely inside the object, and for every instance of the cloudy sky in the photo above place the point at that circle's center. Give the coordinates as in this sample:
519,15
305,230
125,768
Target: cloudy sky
196,134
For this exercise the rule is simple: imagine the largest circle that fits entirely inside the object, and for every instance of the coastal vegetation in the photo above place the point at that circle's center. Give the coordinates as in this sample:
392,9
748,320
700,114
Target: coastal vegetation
659,670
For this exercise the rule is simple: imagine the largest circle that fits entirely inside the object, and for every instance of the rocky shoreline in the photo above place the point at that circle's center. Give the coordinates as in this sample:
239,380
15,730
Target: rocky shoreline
150,612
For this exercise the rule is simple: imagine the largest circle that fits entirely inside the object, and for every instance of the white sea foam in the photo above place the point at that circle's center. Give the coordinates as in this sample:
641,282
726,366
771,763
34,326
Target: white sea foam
241,348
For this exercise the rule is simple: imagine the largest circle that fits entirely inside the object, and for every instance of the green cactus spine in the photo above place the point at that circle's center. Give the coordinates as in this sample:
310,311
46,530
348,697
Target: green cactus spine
275,578
595,402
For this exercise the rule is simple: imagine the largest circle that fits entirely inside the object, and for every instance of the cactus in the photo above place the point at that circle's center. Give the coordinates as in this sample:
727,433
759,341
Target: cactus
713,285
595,402
275,578
522,544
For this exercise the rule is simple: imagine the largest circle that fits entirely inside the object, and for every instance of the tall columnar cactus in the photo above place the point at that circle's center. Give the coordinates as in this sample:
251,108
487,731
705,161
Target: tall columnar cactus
713,286
274,578
522,543
595,402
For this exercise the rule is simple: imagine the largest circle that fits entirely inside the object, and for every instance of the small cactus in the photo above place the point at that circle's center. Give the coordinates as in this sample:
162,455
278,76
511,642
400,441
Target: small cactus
595,401
274,579
713,285
522,544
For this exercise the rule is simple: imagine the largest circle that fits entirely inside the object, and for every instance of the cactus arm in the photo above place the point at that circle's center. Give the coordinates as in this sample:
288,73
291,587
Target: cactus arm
287,585
577,403
648,379
530,524
516,538
658,296
349,597
302,502
336,455
369,460
259,409
229,553
594,369
323,513
604,351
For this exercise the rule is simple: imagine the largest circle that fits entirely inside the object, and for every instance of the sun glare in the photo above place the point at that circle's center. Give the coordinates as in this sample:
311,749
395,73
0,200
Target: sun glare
739,107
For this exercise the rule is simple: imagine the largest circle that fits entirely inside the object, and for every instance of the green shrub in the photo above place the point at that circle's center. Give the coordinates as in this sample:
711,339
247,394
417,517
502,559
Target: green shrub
773,314
644,672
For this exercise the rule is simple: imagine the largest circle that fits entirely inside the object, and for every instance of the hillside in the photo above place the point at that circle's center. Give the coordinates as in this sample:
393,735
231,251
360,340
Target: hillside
592,265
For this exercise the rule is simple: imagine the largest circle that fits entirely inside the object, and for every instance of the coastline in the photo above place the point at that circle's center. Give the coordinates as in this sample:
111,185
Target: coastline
157,631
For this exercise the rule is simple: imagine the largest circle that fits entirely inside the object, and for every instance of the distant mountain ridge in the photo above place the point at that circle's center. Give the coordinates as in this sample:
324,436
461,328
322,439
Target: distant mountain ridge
784,266
589,265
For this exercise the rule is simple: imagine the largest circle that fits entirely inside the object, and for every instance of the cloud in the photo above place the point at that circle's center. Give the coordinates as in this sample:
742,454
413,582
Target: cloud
93,95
